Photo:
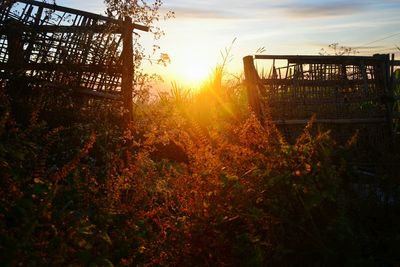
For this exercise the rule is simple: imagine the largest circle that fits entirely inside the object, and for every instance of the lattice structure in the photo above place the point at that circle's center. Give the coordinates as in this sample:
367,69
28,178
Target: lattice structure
66,47
340,90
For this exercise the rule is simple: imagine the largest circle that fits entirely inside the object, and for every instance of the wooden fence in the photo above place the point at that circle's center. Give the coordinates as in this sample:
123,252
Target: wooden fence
345,93
67,48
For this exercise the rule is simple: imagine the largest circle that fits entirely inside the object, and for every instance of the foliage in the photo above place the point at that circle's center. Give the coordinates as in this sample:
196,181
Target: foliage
194,180
338,50
146,13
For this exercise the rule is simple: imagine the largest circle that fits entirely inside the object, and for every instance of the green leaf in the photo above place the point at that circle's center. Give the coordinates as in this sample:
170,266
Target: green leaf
87,230
106,238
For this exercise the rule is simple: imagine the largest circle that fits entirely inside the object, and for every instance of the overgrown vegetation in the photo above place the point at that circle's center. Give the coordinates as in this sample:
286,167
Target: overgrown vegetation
194,180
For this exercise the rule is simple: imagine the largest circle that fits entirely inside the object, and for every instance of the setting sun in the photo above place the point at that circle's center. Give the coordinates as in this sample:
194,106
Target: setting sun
195,73
192,70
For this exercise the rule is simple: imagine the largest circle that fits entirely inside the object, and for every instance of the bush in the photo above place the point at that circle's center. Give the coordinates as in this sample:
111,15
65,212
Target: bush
191,181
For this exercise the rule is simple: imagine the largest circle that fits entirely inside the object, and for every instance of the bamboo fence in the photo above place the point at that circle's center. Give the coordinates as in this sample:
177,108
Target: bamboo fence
346,93
67,48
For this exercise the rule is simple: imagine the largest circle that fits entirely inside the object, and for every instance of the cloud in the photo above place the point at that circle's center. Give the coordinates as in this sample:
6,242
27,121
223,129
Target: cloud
321,10
257,9
375,47
202,13
279,10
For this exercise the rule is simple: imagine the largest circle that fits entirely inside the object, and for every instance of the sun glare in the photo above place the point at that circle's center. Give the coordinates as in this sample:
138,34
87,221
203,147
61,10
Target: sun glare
195,73
190,70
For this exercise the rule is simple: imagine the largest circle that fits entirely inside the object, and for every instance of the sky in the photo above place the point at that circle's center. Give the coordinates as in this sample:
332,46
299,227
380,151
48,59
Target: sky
202,29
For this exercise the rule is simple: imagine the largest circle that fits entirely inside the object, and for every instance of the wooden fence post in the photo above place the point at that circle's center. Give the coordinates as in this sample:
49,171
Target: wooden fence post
15,44
252,81
127,68
15,60
382,76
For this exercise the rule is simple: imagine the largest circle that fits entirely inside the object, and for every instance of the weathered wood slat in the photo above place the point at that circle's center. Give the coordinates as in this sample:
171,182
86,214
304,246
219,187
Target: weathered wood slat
395,63
98,94
110,28
306,101
252,82
315,83
311,59
63,67
82,13
127,70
